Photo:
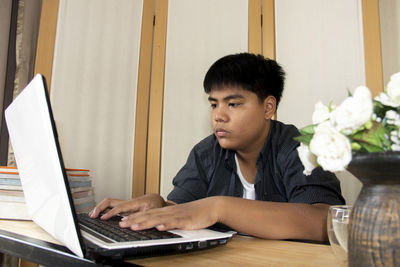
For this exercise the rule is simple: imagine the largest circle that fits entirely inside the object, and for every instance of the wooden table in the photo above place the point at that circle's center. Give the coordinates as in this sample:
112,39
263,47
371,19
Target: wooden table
250,251
241,250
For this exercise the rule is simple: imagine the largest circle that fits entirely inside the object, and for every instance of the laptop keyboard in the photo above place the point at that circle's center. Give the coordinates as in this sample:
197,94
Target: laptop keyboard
110,228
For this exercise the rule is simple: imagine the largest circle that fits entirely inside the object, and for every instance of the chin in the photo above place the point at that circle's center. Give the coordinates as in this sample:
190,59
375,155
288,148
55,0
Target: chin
226,144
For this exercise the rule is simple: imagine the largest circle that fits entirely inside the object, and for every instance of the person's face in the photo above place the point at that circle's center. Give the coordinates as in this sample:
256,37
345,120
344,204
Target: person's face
239,120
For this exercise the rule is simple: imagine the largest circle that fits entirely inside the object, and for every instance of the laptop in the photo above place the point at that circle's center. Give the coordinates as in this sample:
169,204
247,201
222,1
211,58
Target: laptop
44,181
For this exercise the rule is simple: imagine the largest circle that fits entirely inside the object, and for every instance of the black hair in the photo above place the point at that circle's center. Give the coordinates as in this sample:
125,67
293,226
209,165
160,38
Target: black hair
254,73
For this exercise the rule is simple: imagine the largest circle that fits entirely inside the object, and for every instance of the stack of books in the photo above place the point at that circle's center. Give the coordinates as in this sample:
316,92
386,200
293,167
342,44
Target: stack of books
12,200
82,191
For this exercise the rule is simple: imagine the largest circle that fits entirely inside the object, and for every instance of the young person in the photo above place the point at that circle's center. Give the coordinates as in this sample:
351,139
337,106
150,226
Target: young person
247,175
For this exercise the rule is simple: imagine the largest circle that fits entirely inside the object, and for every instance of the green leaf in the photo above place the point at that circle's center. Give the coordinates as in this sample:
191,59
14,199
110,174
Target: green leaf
365,147
355,146
368,124
305,139
330,106
349,93
380,109
309,129
372,139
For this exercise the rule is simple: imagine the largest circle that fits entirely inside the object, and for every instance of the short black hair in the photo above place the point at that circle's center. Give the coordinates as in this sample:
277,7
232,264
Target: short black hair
254,73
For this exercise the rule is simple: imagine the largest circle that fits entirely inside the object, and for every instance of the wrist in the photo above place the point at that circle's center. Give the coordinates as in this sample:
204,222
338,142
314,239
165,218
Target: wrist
218,208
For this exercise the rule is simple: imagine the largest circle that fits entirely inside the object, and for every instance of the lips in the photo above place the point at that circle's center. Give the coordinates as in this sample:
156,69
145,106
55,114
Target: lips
220,132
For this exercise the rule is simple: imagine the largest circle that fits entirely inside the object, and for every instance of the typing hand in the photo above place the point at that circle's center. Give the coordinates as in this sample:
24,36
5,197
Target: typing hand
193,215
112,207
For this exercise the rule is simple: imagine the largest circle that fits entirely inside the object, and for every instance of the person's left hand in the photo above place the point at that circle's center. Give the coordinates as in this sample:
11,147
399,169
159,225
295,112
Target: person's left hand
189,216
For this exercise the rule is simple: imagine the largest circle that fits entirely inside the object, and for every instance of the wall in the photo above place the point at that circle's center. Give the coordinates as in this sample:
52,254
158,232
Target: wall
390,36
93,89
320,45
198,33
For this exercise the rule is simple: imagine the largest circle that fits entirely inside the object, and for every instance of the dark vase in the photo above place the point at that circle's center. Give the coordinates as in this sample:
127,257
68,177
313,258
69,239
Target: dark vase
374,227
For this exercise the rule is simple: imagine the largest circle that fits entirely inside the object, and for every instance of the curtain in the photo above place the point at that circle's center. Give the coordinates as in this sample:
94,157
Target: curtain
26,42
27,28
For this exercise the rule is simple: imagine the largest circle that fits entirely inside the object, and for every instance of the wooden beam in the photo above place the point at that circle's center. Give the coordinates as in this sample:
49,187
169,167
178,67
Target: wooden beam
46,39
25,263
254,35
268,29
268,32
156,99
372,46
142,100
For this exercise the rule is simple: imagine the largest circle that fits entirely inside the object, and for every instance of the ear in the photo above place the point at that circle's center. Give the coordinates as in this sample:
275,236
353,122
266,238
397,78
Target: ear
269,107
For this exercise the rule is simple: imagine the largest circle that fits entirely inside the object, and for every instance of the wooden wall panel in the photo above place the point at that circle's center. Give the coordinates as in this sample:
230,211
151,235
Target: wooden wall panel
268,29
255,34
156,99
142,103
46,39
372,46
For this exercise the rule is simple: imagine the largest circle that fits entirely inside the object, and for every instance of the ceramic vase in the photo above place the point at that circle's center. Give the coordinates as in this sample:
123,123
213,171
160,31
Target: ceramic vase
374,227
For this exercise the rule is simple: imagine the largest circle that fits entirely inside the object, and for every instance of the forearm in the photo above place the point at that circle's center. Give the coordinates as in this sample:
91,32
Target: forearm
273,220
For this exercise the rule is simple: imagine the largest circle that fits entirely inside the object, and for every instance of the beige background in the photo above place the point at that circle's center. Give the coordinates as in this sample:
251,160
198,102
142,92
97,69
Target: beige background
209,32
93,90
319,43
390,37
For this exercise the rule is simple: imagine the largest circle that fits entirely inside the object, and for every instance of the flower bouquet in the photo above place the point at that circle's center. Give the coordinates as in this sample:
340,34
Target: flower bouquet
362,135
358,124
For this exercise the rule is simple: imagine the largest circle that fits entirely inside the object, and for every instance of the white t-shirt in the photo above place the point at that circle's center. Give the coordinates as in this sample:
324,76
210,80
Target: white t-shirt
248,189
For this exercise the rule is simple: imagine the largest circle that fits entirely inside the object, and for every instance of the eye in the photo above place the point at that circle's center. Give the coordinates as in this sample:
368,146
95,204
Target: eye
213,105
234,105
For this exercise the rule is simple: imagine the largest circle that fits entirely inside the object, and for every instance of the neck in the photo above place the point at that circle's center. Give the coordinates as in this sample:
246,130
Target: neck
250,154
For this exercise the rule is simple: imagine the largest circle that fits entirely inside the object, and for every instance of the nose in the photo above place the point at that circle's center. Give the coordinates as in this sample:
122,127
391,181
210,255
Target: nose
219,114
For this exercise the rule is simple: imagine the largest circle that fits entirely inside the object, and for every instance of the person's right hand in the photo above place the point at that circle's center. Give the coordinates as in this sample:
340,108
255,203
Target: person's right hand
118,206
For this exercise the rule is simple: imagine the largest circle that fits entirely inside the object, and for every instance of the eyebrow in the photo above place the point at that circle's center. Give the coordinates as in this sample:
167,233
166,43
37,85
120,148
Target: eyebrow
227,98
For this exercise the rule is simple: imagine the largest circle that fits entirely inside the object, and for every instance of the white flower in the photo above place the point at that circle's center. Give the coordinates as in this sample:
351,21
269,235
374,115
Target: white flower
332,149
392,117
355,111
320,114
391,96
395,147
385,100
376,118
393,88
395,139
307,158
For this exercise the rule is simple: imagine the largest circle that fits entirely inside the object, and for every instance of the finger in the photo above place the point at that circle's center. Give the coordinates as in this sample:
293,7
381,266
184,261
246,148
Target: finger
155,218
140,220
123,207
175,223
94,213
103,205
167,218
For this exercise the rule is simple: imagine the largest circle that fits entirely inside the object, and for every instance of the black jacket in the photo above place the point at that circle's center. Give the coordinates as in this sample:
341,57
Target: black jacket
211,171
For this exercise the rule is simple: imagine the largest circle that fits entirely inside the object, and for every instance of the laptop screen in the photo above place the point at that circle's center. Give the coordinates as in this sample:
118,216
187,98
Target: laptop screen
37,152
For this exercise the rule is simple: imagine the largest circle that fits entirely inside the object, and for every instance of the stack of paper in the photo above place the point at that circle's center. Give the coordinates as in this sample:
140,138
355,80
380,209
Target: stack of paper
12,200
81,186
